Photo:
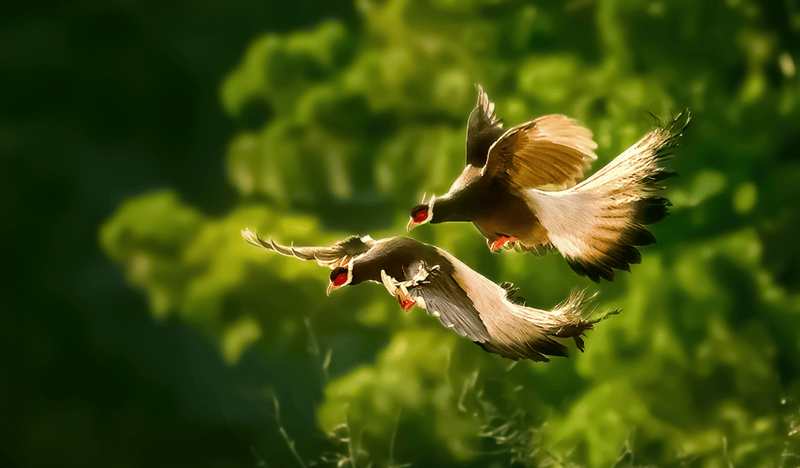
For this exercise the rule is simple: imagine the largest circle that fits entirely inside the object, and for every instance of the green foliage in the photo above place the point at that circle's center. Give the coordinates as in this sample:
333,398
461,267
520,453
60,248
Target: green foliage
342,130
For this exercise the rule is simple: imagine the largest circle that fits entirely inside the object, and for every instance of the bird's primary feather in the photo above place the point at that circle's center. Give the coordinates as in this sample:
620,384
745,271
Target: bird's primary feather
552,150
443,298
483,129
331,256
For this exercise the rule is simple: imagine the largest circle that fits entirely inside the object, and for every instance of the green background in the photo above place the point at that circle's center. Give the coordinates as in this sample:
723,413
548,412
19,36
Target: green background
140,330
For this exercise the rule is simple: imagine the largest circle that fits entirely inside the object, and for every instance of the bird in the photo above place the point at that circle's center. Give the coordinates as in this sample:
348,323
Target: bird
524,189
462,299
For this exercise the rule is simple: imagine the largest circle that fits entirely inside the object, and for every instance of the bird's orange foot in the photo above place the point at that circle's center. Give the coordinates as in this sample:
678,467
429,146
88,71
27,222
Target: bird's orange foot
499,243
406,302
404,298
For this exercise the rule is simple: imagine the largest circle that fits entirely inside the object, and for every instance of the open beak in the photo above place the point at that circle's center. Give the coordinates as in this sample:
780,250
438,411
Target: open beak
411,224
331,287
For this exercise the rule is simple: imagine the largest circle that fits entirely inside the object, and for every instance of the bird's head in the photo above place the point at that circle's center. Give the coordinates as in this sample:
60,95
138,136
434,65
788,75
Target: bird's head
340,276
422,213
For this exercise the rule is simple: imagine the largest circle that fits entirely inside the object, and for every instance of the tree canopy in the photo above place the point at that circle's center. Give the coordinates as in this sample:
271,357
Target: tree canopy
342,127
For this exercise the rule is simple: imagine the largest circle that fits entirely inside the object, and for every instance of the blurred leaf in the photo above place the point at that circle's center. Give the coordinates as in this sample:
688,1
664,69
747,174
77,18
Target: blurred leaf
353,123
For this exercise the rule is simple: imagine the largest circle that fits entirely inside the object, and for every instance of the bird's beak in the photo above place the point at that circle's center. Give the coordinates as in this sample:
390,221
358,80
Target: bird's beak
331,287
411,224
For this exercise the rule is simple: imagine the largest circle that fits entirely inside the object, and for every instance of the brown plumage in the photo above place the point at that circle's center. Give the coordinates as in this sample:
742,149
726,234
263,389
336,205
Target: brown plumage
462,299
526,191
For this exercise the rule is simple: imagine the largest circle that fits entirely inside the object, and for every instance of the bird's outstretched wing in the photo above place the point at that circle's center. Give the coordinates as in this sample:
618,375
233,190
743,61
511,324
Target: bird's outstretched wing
443,298
533,334
597,224
483,129
552,150
332,256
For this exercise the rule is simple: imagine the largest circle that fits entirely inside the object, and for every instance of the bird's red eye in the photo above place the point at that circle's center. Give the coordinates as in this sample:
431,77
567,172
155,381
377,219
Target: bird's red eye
421,216
340,279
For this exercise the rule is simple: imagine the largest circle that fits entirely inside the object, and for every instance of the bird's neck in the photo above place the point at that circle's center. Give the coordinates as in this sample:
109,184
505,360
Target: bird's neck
464,205
451,209
391,256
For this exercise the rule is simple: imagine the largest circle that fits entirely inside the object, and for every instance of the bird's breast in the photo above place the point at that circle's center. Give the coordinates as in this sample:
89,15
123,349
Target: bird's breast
507,214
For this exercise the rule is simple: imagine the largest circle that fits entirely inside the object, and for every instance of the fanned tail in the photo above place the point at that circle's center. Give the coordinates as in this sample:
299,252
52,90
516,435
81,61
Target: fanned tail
598,223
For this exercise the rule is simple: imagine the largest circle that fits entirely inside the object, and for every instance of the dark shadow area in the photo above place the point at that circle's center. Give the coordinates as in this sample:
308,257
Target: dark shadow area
102,100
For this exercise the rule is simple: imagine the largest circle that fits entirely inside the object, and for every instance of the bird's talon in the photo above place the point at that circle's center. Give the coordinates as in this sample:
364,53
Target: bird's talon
497,244
511,243
406,303
404,298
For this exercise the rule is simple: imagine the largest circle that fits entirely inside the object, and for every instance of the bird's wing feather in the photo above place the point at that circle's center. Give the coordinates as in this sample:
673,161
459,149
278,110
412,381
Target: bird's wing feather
483,129
330,256
552,150
443,298
598,224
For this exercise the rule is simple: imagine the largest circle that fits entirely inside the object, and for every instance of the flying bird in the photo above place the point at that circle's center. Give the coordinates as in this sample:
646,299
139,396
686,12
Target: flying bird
524,188
462,299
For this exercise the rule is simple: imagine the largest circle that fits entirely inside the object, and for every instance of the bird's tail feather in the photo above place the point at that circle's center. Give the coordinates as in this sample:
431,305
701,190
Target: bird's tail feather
535,331
598,223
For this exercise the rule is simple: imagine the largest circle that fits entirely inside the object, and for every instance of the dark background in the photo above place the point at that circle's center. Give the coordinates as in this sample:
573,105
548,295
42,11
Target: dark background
102,100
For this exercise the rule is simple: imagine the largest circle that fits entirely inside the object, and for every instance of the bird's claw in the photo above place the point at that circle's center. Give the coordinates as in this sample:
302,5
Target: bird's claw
501,242
404,298
400,290
406,304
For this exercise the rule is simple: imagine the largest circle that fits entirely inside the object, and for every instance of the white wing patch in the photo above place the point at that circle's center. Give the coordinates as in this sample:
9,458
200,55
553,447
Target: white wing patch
506,321
571,217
